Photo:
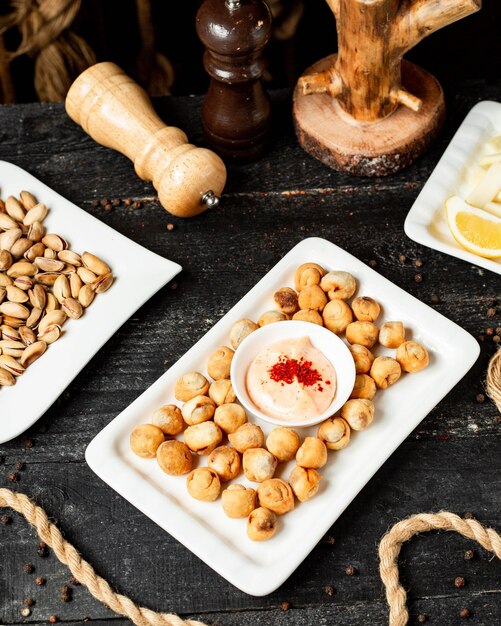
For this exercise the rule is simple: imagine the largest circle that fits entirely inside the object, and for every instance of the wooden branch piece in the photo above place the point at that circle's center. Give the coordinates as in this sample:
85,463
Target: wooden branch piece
407,99
117,113
327,81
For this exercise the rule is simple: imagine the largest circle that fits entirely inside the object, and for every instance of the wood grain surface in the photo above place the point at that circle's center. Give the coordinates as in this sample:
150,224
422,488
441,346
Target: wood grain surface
451,461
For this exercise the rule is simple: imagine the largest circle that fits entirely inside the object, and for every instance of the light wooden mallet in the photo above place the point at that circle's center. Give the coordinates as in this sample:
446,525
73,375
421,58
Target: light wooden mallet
116,112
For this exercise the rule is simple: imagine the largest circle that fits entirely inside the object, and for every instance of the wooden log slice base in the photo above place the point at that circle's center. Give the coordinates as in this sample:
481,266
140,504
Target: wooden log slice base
380,148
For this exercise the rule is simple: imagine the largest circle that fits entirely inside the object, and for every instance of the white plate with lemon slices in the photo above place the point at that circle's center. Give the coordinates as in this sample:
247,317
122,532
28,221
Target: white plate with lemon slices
459,209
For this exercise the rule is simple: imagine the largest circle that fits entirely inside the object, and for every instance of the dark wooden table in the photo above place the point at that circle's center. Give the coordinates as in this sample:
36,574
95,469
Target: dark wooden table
452,461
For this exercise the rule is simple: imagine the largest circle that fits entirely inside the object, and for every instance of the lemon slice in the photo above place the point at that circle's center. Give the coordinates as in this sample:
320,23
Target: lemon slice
474,229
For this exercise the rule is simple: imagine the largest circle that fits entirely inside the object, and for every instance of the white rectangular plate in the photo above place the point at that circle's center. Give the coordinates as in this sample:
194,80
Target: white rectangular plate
426,222
259,568
132,265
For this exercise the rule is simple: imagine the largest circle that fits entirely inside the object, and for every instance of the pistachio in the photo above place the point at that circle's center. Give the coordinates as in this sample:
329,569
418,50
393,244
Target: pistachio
27,335
6,222
55,242
13,322
6,378
32,353
37,249
50,254
34,317
10,364
12,348
49,265
47,278
21,268
36,232
76,285
9,238
28,200
103,283
69,269
36,214
19,248
95,264
72,308
14,209
52,303
5,260
86,275
23,282
68,256
38,296
14,309
3,293
61,289
9,333
14,294
50,334
86,295
5,280
52,317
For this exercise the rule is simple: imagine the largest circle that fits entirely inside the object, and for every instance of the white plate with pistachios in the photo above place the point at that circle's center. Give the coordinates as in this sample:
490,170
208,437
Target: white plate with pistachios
466,183
177,452
64,291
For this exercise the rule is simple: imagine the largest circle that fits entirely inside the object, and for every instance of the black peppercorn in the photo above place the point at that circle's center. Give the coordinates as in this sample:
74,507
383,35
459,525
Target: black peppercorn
480,398
402,258
435,299
28,568
39,581
43,550
464,613
418,278
5,520
418,263
20,466
28,602
459,582
285,606
329,591
351,571
422,619
13,477
469,555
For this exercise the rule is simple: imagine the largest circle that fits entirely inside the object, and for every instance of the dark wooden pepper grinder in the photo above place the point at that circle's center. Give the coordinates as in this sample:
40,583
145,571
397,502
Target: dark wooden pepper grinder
236,111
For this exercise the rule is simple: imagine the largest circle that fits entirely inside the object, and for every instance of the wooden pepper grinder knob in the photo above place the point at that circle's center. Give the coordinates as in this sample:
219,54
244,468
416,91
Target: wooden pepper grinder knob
236,112
117,113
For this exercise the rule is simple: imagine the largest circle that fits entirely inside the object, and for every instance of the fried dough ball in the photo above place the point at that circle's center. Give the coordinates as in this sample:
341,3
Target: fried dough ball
312,298
313,317
261,524
365,309
392,334
312,453
204,484
229,417
220,363
338,285
275,494
335,433
270,317
337,316
358,413
304,482
363,358
364,387
307,275
190,385
283,443
145,439
238,501
174,458
363,333
197,410
246,437
412,356
385,371
221,392
286,300
169,419
258,464
240,330
225,461
203,438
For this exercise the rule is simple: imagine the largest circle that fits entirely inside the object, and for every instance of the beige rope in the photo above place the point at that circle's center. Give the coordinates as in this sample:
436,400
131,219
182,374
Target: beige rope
391,543
493,382
83,571
389,549
61,55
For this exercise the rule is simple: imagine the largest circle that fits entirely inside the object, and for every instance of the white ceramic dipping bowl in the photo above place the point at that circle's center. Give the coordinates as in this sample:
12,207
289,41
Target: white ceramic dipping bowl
333,348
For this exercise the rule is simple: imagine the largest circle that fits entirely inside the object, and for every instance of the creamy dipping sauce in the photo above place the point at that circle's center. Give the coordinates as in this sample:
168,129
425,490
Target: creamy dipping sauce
291,380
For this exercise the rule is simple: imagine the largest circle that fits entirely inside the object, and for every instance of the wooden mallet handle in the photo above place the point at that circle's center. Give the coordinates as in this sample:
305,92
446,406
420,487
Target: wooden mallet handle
117,113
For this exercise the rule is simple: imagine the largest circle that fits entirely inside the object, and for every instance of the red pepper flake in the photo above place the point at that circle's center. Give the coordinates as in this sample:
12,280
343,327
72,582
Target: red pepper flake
286,370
